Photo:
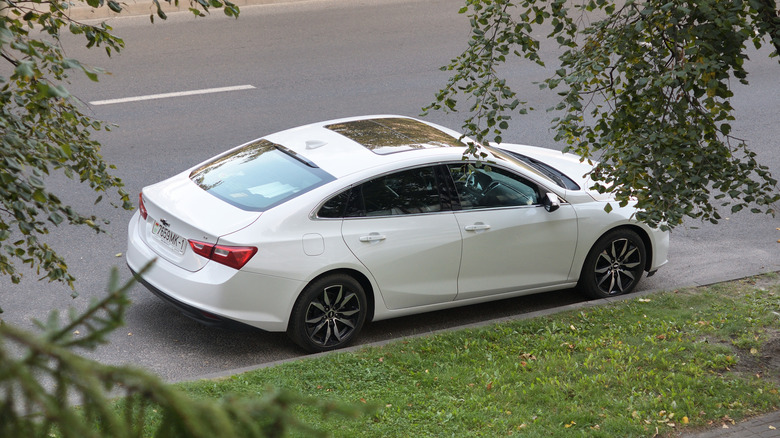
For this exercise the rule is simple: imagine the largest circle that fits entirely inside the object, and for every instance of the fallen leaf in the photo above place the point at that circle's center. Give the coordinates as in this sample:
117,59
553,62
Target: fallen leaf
119,254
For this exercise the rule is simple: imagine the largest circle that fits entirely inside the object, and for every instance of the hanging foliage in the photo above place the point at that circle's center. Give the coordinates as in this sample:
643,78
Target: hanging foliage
645,86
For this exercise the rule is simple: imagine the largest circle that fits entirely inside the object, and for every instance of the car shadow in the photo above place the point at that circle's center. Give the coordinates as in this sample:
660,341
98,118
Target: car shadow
160,338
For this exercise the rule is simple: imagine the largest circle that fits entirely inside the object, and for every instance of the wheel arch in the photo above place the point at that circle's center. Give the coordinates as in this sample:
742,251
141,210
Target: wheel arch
359,277
643,234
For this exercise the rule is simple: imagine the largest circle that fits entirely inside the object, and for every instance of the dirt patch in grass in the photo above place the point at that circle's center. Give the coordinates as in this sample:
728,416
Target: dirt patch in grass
764,363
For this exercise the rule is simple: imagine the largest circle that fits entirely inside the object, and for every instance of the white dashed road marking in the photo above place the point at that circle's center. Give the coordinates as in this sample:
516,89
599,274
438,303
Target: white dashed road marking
169,95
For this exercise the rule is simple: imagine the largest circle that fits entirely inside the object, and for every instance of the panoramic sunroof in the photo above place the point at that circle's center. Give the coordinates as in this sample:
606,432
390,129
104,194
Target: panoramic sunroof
391,135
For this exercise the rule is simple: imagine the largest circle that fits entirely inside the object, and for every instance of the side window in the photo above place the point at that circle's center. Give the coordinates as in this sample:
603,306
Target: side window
408,192
492,187
336,206
348,203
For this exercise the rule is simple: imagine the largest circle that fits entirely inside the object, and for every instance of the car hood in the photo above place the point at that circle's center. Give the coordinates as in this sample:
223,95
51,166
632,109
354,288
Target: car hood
571,165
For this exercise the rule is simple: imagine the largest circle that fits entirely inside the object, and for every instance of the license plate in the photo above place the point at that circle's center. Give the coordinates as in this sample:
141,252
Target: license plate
169,238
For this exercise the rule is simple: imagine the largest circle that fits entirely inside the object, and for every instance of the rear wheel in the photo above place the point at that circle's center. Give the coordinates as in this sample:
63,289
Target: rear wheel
614,265
329,314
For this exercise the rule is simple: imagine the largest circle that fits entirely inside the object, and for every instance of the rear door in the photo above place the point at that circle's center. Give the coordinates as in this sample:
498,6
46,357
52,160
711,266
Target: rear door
404,232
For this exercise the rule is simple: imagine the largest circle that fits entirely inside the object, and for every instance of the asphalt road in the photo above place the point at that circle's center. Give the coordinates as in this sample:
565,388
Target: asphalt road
311,61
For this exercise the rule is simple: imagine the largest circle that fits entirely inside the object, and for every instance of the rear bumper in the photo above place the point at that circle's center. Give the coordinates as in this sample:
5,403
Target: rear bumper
215,295
201,316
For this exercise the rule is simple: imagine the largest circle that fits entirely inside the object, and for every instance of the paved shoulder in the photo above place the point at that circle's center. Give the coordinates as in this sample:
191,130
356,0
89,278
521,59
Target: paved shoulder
765,426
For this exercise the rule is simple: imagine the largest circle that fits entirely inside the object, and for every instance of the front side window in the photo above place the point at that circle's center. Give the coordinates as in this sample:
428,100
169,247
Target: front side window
411,191
490,187
258,176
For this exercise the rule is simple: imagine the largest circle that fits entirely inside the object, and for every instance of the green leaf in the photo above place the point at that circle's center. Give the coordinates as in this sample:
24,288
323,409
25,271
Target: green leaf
25,69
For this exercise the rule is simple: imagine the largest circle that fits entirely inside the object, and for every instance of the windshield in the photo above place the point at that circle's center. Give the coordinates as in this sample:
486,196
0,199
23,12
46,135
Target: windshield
258,176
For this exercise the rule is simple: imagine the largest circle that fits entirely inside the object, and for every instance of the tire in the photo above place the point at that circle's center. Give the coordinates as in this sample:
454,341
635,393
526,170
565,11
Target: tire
329,314
614,265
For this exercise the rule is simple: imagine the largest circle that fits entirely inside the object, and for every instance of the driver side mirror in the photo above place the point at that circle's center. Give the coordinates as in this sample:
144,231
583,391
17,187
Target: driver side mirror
551,202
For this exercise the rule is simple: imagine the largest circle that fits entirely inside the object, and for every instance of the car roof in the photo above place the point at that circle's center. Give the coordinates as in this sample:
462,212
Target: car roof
345,146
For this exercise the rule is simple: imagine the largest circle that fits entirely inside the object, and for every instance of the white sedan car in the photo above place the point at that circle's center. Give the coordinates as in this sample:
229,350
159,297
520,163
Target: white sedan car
318,229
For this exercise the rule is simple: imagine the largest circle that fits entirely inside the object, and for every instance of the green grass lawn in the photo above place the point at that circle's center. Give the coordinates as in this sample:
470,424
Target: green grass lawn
654,364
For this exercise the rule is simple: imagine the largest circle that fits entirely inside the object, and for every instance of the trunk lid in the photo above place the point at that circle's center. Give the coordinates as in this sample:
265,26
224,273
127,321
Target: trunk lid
179,211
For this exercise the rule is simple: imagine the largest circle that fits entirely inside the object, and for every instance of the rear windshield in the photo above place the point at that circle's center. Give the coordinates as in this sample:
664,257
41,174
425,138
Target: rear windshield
258,176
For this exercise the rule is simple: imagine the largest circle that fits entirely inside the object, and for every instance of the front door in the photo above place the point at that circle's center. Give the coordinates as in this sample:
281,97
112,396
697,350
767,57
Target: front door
510,242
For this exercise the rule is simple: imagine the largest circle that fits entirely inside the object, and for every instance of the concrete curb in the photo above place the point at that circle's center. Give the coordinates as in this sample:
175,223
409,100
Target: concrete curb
521,317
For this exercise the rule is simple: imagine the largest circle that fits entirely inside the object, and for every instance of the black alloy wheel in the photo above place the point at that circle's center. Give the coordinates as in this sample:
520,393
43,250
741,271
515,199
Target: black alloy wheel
329,314
614,265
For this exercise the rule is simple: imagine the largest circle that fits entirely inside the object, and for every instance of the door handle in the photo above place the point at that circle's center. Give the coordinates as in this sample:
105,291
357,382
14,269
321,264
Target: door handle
373,237
477,227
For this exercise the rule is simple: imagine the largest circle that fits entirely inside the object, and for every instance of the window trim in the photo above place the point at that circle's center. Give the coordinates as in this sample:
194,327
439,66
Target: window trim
447,191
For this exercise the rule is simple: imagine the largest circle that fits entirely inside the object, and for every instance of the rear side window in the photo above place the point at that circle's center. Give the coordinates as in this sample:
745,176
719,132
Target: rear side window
411,191
258,176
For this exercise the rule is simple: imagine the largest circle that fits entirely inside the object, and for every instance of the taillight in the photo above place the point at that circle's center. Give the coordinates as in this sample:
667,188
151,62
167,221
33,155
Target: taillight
141,206
233,256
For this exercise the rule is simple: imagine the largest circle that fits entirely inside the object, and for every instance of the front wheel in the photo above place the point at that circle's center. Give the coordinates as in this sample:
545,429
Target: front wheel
614,265
329,314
